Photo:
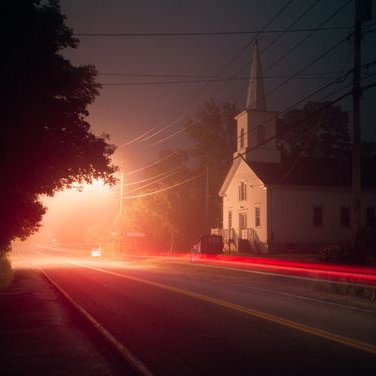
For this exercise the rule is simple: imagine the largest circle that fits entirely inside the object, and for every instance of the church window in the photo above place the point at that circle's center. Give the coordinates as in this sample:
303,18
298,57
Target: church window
260,134
230,219
242,191
317,216
242,138
257,216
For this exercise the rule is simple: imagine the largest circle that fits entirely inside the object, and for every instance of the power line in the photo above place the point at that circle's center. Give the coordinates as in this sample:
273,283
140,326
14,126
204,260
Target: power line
224,67
242,49
335,81
151,164
179,131
313,132
367,87
288,29
300,17
174,82
300,156
364,88
210,33
152,177
338,99
166,188
295,124
168,125
267,121
300,71
308,36
328,51
263,123
305,99
278,13
156,181
196,76
338,44
144,134
331,83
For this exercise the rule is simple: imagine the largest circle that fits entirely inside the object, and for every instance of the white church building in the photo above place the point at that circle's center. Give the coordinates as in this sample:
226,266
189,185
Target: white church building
273,205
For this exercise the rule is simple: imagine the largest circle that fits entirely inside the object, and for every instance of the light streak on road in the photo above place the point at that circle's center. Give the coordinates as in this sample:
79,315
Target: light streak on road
360,275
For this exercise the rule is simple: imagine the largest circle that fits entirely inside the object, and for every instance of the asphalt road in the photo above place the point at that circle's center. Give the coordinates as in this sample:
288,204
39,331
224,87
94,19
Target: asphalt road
179,318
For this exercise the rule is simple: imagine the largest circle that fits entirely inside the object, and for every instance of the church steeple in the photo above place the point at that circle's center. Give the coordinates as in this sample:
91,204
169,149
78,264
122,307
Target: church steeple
256,94
256,126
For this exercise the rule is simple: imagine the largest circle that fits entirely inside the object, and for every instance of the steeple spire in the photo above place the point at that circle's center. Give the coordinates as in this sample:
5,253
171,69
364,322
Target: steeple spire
256,94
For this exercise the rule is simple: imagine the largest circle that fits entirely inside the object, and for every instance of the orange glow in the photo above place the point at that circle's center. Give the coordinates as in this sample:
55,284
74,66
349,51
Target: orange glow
97,185
57,258
80,216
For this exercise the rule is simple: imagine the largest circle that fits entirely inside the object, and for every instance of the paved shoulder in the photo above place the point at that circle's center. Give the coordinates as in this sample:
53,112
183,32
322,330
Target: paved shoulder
39,335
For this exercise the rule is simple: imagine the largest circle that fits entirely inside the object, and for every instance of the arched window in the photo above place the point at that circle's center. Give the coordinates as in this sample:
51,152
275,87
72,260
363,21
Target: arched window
242,138
242,191
260,134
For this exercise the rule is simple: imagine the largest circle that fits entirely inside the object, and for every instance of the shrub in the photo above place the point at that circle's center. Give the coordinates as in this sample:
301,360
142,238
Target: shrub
6,272
342,254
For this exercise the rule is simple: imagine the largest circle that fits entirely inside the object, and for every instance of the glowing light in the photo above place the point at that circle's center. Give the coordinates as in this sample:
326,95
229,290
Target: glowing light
79,216
97,185
355,274
96,252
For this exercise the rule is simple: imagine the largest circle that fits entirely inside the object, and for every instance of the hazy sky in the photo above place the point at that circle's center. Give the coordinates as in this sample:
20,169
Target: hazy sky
126,111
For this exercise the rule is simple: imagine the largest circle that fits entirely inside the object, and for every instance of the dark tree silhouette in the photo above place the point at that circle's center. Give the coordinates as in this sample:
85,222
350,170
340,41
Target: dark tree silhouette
213,131
172,218
177,216
318,130
46,143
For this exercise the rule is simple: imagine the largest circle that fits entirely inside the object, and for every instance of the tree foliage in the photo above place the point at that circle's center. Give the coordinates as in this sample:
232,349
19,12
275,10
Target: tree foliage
213,132
46,142
318,130
171,218
177,216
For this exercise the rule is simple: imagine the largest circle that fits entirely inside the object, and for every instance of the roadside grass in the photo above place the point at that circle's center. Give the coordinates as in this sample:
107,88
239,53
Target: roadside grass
346,289
6,271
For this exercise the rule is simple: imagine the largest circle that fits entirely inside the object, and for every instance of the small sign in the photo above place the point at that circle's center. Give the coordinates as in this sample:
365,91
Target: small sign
96,252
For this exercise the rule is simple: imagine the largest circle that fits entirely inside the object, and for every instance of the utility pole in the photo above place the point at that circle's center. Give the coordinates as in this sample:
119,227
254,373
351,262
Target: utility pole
362,12
121,192
207,199
356,153
121,197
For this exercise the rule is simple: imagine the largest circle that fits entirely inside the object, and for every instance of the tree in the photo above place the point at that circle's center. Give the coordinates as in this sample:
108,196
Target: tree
318,130
172,217
46,143
213,132
179,213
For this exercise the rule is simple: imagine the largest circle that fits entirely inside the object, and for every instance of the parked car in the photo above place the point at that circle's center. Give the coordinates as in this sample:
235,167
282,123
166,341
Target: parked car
209,244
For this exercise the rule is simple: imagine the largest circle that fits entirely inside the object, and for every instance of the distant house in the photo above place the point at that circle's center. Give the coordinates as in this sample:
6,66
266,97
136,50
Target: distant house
274,205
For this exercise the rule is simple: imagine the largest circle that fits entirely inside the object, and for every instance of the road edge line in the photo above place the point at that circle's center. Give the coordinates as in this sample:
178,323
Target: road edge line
122,350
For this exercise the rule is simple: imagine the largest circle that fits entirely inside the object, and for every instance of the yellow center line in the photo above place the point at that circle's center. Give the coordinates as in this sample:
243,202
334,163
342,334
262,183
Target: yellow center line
359,345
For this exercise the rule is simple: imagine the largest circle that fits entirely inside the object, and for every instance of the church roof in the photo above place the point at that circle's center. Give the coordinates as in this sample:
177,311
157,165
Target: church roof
312,172
256,94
